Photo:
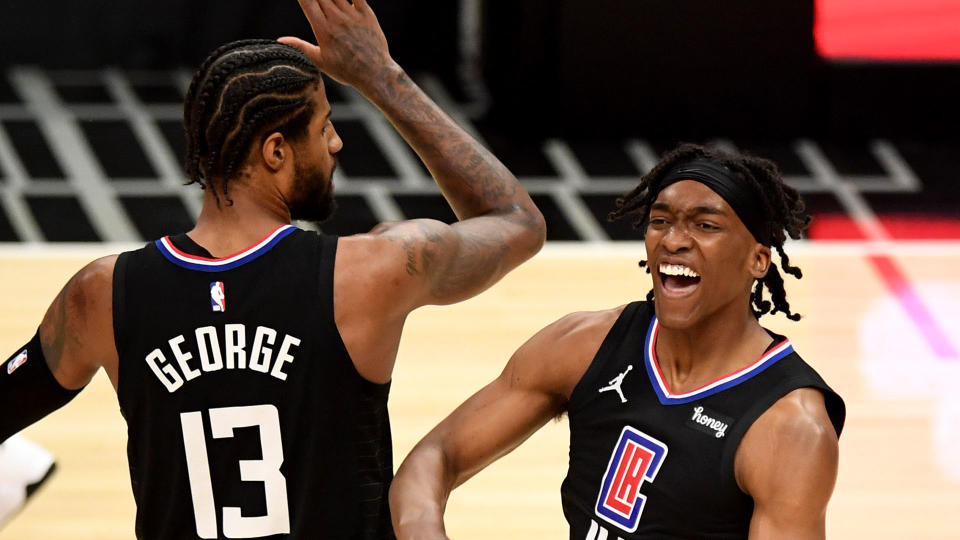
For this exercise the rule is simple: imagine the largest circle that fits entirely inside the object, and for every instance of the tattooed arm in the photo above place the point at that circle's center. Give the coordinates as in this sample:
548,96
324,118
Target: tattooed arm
380,277
77,330
74,340
353,50
534,387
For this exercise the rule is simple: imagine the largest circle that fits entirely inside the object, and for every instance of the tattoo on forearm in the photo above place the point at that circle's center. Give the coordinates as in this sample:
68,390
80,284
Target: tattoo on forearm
467,172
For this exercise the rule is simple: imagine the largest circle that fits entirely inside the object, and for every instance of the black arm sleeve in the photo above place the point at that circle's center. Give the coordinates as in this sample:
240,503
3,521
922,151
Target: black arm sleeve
28,390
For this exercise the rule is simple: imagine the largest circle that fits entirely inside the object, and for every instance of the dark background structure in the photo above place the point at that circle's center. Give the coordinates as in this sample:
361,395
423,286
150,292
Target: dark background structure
576,96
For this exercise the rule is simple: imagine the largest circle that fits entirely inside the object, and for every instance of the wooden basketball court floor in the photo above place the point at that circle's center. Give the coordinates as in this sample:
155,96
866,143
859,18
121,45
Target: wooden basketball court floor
885,339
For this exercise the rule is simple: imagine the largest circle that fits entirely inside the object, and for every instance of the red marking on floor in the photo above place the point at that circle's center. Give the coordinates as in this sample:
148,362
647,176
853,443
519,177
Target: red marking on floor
898,227
911,302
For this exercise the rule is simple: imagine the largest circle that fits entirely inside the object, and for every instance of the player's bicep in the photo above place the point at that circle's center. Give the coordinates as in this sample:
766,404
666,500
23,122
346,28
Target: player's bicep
533,388
76,333
492,423
442,264
790,469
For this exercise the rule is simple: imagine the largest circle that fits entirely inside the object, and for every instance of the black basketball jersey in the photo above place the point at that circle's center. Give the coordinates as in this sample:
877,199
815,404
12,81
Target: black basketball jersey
245,415
648,463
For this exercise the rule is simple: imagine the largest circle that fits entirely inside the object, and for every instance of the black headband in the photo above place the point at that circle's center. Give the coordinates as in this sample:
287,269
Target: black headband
739,195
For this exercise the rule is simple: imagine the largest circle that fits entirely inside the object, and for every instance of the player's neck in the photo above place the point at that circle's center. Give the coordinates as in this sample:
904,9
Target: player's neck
224,228
692,357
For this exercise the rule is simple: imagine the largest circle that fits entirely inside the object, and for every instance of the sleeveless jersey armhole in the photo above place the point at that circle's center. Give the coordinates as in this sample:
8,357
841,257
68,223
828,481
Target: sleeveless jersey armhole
120,327
327,267
728,459
119,301
614,339
327,257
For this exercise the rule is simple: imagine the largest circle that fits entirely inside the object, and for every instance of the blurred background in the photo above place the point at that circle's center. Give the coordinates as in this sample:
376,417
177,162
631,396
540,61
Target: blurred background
577,97
858,101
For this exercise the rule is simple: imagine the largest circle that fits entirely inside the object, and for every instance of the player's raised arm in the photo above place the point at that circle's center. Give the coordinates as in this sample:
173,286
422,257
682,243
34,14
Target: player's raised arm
500,227
74,340
533,388
787,462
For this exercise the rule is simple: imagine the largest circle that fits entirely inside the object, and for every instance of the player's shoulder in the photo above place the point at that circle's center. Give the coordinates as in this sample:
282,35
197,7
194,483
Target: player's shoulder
800,414
583,327
559,354
95,277
390,242
796,428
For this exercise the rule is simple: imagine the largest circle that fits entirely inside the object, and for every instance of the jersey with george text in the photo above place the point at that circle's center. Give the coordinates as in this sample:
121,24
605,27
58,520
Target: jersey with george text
246,417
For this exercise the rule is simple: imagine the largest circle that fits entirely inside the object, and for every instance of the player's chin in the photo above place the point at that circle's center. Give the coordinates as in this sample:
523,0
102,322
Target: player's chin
318,211
676,309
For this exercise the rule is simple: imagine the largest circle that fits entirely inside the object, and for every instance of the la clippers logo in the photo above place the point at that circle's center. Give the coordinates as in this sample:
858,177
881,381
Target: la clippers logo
218,298
16,361
636,457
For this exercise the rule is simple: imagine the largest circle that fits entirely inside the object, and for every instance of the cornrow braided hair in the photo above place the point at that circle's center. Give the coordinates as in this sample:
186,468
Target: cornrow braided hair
243,91
784,210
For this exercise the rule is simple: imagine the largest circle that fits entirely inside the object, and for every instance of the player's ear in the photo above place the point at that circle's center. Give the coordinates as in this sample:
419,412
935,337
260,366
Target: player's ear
759,261
274,151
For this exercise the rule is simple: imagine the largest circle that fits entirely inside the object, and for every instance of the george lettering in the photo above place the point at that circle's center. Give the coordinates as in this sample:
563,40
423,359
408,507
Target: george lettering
235,340
182,358
284,356
209,347
219,348
260,358
167,375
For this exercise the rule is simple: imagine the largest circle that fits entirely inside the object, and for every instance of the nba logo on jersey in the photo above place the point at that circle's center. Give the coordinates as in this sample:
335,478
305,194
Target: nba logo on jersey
636,457
17,361
218,298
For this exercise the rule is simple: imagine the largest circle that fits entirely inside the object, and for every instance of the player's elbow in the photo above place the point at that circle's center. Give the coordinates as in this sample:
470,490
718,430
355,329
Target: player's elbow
531,228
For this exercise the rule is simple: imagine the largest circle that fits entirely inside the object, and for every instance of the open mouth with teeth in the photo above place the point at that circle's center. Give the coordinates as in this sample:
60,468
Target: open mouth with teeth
677,278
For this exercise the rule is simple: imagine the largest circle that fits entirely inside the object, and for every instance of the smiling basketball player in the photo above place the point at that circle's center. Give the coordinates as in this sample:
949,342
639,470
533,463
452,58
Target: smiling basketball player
688,419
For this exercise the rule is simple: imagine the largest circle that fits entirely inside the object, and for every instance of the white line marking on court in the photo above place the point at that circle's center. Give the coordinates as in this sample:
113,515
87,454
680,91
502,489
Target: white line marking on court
152,141
77,158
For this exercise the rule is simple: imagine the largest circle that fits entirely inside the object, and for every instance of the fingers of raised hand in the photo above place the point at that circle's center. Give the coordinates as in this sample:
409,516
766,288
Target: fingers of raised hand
313,10
307,48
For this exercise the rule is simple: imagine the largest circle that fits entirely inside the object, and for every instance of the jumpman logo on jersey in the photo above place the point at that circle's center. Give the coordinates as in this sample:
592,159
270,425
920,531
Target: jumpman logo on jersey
615,384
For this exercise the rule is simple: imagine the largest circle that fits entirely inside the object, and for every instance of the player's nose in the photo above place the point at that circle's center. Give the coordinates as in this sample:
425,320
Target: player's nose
676,238
335,144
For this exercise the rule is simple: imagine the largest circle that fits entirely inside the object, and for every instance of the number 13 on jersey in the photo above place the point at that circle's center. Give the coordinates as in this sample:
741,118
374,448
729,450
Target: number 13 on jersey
267,470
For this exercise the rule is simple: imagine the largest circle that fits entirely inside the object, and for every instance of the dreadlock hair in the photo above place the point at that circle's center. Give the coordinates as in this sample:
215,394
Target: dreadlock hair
783,208
242,92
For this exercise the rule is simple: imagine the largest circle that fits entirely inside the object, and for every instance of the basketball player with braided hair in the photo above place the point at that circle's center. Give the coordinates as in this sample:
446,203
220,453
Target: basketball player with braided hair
688,419
252,360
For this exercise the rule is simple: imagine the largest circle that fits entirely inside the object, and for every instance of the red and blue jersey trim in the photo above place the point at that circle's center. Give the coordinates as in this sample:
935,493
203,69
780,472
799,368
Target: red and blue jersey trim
666,397
206,264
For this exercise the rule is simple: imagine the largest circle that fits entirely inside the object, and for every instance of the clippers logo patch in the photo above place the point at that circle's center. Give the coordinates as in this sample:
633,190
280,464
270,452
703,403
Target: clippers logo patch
636,458
16,361
218,298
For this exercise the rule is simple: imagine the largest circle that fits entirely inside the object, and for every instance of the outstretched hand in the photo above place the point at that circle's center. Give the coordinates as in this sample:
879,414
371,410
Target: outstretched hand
350,47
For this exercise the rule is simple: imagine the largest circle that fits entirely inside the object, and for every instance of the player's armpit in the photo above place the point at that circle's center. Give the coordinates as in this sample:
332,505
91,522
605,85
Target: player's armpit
533,388
787,462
